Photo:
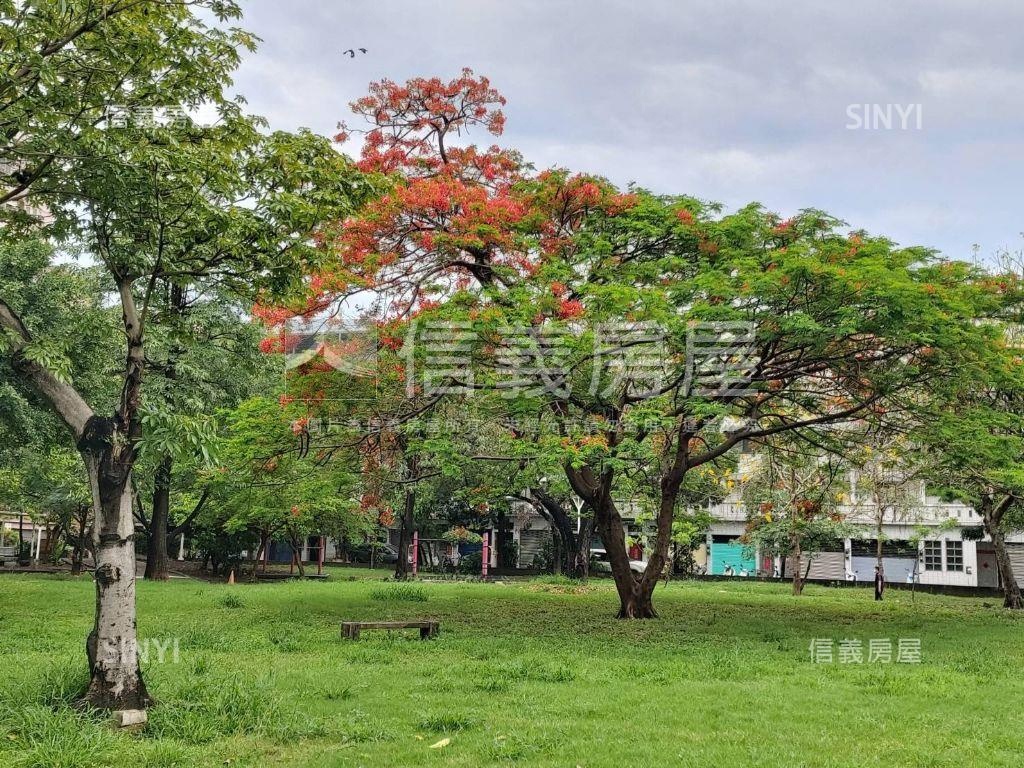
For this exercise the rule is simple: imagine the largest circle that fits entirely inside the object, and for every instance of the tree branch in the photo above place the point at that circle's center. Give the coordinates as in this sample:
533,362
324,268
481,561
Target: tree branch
62,397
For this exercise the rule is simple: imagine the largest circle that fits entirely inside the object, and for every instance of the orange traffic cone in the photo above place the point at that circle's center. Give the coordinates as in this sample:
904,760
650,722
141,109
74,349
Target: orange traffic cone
231,576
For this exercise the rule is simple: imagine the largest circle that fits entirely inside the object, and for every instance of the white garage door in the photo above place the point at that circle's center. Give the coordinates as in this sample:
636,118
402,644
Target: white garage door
1016,552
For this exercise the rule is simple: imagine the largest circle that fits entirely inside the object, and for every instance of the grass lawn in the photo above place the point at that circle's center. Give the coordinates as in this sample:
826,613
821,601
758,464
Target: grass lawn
528,673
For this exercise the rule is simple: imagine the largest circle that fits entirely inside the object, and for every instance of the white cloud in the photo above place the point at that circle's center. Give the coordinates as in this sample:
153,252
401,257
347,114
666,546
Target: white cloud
734,101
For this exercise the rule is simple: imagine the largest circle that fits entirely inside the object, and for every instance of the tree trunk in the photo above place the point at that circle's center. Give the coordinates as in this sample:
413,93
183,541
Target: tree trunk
115,676
878,543
259,554
108,447
637,603
295,543
635,592
405,534
798,576
156,553
579,568
1012,597
558,552
81,520
573,547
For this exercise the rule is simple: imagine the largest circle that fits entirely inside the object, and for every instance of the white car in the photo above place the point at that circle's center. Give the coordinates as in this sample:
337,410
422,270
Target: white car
599,563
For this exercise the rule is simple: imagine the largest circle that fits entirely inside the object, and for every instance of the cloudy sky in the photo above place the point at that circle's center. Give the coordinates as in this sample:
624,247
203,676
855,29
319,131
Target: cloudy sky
728,100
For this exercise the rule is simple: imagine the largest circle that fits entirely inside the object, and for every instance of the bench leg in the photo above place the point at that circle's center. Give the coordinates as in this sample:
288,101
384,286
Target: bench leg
425,633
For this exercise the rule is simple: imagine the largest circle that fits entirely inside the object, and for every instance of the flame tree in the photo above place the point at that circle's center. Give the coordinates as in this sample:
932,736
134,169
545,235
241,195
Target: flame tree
842,325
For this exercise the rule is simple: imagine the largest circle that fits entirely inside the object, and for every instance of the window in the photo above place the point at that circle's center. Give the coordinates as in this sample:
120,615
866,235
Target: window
954,555
933,555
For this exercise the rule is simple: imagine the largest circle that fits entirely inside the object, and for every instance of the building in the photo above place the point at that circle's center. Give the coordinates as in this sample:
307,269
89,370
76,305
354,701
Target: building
15,528
931,542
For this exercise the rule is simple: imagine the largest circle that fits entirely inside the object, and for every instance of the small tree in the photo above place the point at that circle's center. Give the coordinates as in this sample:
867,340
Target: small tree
792,502
267,485
888,473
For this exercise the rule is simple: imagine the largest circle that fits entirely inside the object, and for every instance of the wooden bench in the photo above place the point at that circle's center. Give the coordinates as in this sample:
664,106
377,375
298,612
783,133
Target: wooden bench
428,629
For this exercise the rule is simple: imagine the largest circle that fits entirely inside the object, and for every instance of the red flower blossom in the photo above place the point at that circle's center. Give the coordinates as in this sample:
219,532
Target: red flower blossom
569,309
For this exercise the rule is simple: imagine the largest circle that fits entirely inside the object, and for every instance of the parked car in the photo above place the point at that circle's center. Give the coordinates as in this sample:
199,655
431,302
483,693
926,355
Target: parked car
382,553
599,563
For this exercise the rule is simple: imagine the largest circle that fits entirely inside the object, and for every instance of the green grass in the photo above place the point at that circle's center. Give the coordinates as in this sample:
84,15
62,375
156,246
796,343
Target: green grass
530,674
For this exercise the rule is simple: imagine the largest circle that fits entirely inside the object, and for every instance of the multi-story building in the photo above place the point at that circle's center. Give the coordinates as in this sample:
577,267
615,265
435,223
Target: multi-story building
930,541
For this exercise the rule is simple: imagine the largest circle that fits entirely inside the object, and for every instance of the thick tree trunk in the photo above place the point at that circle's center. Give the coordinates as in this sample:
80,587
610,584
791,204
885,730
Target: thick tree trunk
635,592
156,553
115,676
637,603
108,448
1012,597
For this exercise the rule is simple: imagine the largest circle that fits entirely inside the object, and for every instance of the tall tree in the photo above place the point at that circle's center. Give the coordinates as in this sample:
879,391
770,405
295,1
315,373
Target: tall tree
152,202
831,324
888,476
205,355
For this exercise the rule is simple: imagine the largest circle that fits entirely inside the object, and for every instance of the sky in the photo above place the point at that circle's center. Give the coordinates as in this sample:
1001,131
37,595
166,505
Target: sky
733,101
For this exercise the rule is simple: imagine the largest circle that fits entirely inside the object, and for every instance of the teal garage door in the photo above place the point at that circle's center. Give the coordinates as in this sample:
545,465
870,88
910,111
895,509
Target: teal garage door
729,551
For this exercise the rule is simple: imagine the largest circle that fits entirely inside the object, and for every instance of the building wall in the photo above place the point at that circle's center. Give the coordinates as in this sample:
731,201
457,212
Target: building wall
968,577
894,568
531,544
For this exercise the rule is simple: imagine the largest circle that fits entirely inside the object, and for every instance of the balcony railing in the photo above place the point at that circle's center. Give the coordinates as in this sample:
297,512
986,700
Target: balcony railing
935,513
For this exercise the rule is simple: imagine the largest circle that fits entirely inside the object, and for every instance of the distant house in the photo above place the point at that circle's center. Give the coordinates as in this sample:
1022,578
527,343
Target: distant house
938,542
16,528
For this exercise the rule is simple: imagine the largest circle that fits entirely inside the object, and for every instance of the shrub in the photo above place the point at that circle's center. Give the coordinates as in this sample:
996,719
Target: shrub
471,563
